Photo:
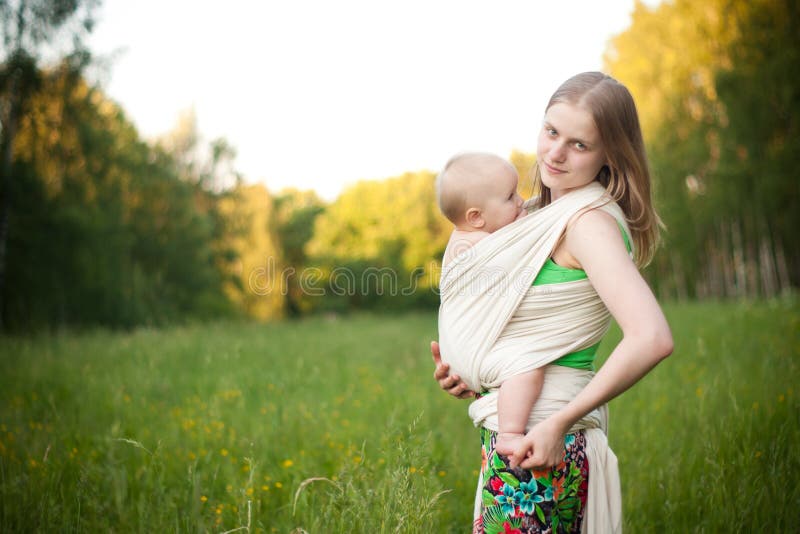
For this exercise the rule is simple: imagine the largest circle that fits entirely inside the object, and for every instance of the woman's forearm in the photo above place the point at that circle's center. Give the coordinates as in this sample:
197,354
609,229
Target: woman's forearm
632,358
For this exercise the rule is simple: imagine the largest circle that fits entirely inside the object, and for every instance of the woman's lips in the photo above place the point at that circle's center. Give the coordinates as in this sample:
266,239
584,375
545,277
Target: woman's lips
553,170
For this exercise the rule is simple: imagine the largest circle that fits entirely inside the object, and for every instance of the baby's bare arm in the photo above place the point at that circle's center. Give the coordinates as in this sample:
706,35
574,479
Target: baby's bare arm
515,400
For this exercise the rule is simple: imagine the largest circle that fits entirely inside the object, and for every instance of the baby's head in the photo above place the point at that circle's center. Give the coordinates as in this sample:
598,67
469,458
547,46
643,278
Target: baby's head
478,191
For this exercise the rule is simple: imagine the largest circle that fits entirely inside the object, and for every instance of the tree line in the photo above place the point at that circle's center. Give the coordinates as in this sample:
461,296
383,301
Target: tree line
716,87
99,226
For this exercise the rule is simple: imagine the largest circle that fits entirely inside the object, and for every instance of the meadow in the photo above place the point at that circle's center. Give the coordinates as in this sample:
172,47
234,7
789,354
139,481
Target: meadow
334,424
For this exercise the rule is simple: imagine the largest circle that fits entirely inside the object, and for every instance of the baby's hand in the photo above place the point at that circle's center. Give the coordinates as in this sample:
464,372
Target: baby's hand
508,442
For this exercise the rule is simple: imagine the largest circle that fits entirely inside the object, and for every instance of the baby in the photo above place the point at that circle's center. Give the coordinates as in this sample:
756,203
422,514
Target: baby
477,192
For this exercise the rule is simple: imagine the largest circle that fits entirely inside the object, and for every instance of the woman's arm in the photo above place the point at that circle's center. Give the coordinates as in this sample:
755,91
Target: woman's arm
594,241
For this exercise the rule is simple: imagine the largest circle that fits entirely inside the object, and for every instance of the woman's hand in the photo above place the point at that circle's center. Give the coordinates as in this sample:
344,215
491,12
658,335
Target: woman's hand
542,447
450,383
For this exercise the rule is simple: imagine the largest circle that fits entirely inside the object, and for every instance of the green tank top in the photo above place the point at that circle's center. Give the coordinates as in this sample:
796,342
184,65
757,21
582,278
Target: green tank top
553,273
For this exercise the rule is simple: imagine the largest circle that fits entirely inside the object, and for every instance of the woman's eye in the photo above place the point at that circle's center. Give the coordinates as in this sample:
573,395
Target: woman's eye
580,146
550,131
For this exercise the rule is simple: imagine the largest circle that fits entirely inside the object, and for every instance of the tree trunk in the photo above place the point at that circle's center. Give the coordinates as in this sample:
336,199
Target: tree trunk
739,266
767,261
783,269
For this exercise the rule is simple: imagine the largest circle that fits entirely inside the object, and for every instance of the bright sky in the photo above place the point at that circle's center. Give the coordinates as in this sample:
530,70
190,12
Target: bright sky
320,94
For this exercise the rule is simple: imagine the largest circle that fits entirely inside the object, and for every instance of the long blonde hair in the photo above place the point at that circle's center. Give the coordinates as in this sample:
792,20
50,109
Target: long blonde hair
626,175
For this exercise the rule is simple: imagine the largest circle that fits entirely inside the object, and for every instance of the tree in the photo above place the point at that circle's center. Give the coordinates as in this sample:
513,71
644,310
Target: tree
390,228
255,286
294,216
105,231
714,85
28,28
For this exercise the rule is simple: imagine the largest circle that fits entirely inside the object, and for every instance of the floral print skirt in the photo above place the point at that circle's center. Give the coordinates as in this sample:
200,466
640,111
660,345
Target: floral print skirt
522,501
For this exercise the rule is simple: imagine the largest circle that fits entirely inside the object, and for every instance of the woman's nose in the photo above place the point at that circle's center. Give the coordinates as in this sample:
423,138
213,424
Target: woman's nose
557,152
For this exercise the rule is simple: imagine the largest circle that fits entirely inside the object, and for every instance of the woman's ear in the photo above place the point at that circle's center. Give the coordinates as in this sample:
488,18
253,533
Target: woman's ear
475,218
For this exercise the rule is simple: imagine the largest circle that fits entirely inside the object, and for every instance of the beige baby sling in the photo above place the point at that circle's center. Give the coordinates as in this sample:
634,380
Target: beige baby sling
494,324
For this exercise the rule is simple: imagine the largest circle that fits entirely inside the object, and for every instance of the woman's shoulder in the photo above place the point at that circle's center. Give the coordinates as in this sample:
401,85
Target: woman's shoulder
594,224
596,231
596,228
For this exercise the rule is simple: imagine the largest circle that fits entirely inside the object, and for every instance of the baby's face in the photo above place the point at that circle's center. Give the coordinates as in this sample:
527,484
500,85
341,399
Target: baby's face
502,204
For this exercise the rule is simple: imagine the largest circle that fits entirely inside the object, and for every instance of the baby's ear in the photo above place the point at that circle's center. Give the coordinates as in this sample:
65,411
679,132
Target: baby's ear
475,218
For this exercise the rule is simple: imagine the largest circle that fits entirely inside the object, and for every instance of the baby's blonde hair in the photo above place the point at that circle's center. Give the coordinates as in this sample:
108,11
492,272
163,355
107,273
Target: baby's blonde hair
458,174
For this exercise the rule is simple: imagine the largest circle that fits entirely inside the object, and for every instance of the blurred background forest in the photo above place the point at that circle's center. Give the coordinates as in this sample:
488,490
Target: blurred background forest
99,226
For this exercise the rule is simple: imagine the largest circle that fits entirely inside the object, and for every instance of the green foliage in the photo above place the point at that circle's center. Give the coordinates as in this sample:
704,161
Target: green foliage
27,29
30,24
294,217
255,278
718,102
102,230
382,241
179,429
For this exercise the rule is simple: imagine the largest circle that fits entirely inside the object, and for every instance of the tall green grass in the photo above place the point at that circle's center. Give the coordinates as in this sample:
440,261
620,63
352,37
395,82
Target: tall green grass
335,425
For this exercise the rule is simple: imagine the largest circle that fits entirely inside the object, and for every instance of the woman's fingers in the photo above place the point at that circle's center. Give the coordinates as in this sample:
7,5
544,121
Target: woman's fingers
522,451
441,372
538,461
436,353
532,462
515,459
455,388
450,383
453,384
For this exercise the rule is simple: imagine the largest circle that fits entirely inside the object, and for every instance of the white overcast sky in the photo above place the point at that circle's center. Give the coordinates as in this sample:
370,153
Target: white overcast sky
320,94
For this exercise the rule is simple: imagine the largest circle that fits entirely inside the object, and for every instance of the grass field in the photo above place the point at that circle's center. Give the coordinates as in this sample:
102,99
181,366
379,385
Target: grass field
216,427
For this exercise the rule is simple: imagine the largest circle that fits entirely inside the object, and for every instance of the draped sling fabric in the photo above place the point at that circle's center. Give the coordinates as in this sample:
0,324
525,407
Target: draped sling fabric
494,324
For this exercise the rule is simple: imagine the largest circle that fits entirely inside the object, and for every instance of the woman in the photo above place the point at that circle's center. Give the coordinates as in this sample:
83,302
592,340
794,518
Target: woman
590,133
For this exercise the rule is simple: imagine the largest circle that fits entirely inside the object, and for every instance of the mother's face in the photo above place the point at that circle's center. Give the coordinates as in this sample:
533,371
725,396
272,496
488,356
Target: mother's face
569,151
